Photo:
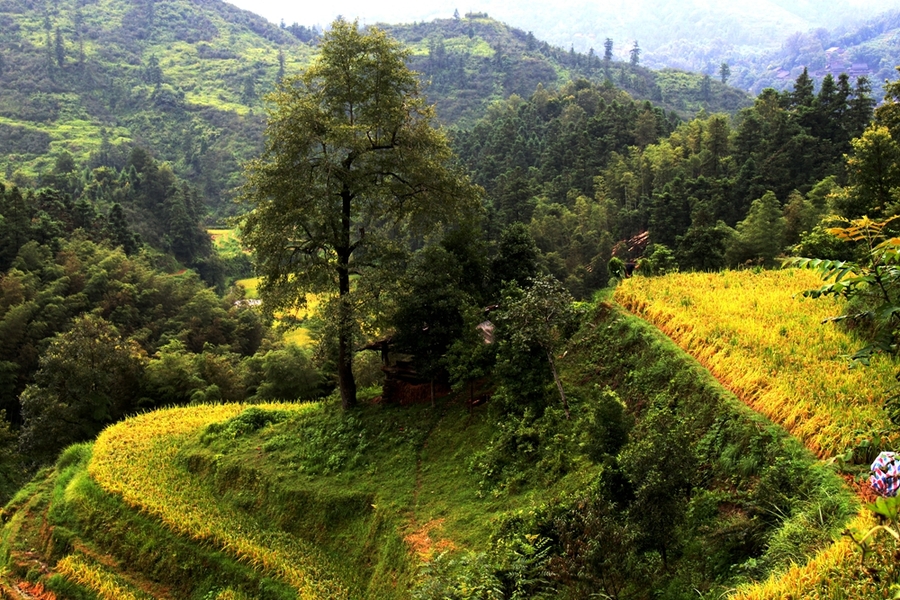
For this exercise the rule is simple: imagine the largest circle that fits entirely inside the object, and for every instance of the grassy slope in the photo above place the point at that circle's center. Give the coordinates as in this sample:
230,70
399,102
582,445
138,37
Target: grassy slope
205,51
305,497
758,334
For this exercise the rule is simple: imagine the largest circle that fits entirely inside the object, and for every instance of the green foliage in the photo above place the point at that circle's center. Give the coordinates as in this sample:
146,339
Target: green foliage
616,268
429,313
819,242
733,472
471,356
660,464
884,537
516,261
533,325
471,576
602,422
760,237
94,334
657,260
525,450
88,377
387,164
285,374
532,505
874,173
247,422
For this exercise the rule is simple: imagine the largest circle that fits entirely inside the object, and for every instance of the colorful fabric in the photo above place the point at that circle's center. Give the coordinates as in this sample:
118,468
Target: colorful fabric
885,479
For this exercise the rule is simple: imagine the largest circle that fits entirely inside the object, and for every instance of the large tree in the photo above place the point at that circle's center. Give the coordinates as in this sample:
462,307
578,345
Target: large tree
352,166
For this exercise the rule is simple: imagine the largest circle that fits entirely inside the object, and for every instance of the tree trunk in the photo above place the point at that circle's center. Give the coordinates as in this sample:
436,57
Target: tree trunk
346,382
559,385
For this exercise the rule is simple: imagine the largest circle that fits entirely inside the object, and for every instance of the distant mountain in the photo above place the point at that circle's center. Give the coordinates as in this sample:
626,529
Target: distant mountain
180,78
471,61
870,49
185,80
765,43
585,24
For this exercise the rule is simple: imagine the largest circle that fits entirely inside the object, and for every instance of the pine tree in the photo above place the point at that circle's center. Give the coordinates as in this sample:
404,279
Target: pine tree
760,237
119,232
802,96
60,49
635,54
724,72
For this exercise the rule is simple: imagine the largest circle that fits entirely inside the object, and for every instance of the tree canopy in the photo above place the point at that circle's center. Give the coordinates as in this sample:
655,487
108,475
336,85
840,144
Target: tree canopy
352,167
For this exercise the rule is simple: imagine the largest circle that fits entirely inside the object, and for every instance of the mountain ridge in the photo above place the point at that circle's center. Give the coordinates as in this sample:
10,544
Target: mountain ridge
187,81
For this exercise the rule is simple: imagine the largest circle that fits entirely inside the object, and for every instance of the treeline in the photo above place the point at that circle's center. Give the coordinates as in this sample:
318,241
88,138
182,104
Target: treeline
587,169
714,192
112,301
539,160
469,62
122,195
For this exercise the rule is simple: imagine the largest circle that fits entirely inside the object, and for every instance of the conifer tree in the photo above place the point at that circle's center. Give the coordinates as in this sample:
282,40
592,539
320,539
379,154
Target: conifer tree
635,54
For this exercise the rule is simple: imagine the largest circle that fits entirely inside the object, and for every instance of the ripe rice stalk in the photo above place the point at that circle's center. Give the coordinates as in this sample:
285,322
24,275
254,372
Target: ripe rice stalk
135,459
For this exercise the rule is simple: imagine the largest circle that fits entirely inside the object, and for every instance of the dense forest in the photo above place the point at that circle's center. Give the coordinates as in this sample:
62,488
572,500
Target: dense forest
587,168
466,253
576,176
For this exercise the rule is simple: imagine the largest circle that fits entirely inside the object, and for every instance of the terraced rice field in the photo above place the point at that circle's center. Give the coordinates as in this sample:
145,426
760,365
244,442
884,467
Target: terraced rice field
759,336
135,459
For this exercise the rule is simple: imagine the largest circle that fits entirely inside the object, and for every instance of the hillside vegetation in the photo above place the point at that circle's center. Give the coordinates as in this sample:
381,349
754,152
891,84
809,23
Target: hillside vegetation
770,345
181,79
268,501
186,82
505,440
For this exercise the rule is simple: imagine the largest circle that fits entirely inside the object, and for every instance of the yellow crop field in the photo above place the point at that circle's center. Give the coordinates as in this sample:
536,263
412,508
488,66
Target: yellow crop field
250,286
765,341
296,335
816,579
88,574
135,459
759,336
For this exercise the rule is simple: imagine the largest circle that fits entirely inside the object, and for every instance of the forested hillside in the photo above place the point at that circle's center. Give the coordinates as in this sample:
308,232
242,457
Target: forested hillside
587,168
444,238
756,39
578,173
866,49
185,81
474,60
180,79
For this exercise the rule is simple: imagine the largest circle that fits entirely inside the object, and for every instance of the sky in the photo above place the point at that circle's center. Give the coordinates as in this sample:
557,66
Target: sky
405,11
368,11
585,23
